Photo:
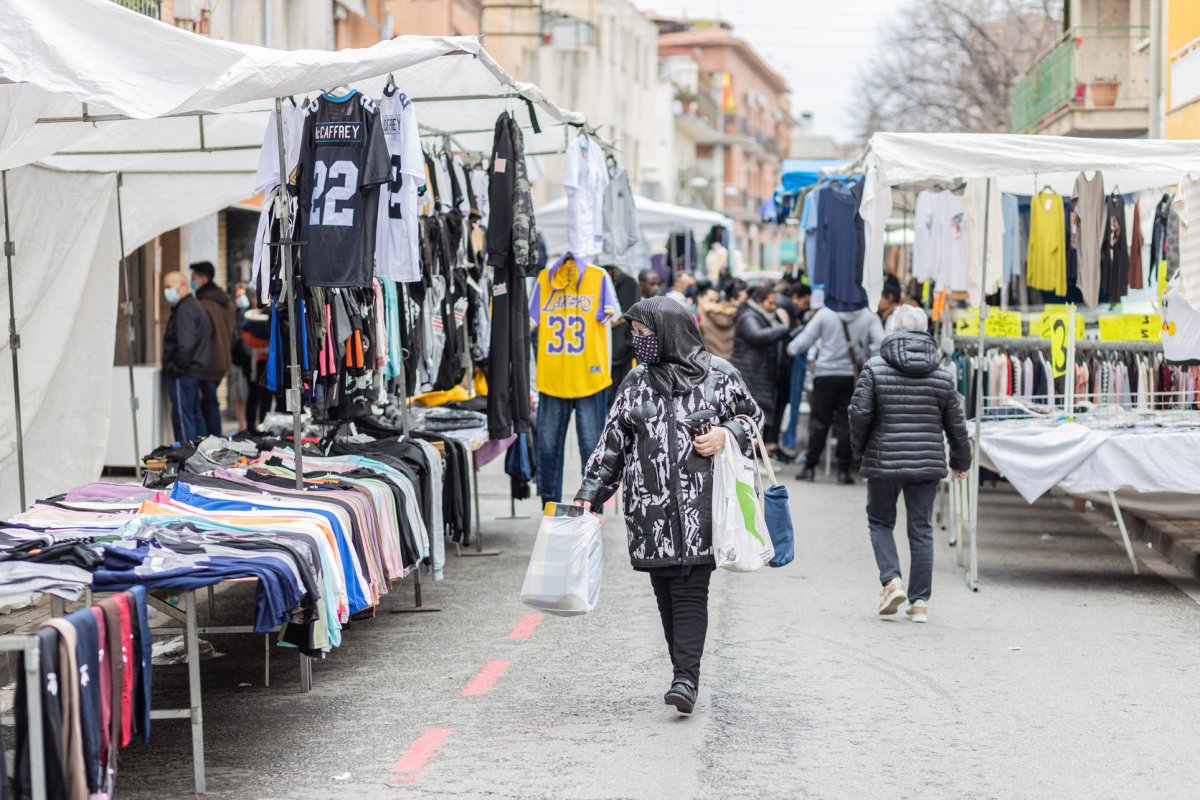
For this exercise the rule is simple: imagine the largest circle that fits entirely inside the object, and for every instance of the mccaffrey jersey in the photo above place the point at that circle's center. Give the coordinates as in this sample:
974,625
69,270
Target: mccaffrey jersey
343,163
397,254
572,308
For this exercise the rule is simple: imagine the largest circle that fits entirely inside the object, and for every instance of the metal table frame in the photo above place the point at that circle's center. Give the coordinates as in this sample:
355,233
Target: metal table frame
190,627
27,644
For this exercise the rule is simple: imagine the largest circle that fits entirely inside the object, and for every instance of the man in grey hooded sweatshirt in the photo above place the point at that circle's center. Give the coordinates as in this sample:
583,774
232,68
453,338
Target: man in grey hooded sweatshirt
903,411
847,340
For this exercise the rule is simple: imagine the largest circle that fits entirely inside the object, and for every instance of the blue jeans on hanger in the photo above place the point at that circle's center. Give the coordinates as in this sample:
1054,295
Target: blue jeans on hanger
553,414
795,398
186,417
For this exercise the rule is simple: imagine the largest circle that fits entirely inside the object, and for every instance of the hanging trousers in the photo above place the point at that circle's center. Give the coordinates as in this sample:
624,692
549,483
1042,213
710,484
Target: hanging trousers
830,402
683,606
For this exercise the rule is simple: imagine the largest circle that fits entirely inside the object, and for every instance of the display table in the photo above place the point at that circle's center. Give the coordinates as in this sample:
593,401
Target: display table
1036,457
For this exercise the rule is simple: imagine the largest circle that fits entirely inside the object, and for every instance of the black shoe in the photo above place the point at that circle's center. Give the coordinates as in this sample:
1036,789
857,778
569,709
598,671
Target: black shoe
845,477
682,695
777,454
807,474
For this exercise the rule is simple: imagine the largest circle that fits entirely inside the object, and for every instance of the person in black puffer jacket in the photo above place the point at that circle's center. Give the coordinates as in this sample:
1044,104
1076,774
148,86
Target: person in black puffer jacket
653,445
758,352
904,405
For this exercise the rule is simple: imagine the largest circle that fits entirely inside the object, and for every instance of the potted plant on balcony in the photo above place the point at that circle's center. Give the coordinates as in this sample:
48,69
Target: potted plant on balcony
1104,91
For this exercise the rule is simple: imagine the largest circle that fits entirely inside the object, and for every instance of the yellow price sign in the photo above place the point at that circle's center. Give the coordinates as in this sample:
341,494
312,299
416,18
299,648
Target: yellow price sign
1043,325
1131,328
1002,323
998,323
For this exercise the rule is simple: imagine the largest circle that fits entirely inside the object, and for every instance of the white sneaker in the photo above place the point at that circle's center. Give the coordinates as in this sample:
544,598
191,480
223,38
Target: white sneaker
918,611
891,596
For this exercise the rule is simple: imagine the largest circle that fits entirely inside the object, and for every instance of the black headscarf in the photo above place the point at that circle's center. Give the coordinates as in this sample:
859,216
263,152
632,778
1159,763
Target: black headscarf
683,361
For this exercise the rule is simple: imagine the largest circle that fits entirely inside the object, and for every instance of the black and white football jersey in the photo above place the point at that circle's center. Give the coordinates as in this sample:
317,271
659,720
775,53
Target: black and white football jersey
343,165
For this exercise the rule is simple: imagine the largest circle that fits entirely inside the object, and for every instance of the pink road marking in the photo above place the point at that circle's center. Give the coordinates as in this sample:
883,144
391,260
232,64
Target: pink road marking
485,679
525,627
409,767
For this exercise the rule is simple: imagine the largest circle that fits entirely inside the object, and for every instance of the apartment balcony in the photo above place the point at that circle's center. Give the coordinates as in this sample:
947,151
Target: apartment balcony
698,117
151,8
1095,81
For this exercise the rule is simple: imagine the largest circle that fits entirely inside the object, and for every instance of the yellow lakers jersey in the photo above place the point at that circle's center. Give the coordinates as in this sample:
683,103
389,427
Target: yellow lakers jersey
571,307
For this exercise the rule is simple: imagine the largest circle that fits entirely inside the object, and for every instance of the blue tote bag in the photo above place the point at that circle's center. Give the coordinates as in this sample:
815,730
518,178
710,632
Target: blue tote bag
775,502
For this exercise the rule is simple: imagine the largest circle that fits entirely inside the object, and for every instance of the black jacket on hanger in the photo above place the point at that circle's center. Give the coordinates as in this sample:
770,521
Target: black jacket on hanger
509,244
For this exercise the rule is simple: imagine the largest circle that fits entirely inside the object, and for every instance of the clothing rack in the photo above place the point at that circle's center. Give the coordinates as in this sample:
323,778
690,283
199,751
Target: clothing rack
27,645
1038,343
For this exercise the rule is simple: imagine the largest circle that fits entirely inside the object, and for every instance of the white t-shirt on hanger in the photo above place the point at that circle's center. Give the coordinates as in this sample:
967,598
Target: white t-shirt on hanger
397,248
585,179
266,180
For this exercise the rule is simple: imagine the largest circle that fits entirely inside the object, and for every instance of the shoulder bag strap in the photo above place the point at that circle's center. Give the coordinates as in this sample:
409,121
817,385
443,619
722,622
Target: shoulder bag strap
850,347
760,455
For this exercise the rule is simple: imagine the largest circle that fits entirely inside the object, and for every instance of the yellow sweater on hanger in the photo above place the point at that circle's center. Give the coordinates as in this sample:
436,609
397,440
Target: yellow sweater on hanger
1047,267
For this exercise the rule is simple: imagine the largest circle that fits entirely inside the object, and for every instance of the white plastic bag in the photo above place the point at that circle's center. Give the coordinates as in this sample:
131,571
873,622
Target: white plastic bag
740,539
567,564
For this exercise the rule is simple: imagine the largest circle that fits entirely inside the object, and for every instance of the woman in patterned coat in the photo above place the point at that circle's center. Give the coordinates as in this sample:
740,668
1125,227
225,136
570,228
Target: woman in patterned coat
657,442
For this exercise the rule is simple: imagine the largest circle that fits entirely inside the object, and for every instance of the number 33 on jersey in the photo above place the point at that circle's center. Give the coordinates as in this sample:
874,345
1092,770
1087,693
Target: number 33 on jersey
572,306
343,165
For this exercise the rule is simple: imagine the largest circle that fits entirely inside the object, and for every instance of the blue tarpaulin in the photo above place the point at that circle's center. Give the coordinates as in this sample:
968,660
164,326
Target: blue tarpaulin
801,172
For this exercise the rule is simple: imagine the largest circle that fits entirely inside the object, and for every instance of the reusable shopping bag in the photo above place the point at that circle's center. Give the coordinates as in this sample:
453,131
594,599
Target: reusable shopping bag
739,533
567,564
775,504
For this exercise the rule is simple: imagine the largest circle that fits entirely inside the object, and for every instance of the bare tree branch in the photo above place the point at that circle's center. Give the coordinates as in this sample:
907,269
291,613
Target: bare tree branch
950,65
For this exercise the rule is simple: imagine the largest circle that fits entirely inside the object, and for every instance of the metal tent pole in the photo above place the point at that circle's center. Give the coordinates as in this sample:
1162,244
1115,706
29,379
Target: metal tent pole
14,341
973,544
127,307
284,213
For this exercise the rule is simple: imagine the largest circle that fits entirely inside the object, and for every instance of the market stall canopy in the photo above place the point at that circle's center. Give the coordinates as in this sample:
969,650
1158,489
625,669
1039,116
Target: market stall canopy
1023,164
123,64
798,173
657,220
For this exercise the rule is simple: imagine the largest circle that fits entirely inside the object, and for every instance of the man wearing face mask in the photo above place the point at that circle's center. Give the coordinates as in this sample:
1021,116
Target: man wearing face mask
187,344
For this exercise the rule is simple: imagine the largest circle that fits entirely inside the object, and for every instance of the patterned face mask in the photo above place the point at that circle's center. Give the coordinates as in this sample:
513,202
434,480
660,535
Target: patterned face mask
646,348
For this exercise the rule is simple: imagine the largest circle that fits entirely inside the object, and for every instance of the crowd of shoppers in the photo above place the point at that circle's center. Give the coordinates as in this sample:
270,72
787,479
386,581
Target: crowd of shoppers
769,331
210,337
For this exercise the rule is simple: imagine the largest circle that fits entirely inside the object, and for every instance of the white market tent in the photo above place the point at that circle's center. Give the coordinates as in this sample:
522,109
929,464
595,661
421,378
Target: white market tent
1023,164
90,90
1020,164
657,220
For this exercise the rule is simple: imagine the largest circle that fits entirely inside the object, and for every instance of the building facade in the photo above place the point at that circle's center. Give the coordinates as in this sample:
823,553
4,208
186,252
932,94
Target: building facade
735,116
595,56
1181,55
1096,79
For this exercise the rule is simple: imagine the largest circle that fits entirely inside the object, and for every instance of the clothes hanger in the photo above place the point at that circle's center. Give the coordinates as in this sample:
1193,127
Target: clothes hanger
390,87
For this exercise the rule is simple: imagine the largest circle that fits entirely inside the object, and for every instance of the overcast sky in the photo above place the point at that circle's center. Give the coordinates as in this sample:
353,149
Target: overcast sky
818,45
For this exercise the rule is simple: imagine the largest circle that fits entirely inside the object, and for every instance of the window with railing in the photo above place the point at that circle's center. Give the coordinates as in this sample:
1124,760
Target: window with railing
1089,68
151,8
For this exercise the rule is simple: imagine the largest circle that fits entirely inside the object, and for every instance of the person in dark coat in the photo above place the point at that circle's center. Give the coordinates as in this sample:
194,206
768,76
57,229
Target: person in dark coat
663,460
223,314
187,342
758,352
904,405
622,338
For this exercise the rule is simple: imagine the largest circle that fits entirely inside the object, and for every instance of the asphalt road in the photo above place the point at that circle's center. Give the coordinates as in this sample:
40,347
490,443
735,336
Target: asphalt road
1064,676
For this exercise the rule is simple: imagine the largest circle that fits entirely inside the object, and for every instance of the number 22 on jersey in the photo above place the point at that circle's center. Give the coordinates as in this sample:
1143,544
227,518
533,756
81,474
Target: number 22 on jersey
337,183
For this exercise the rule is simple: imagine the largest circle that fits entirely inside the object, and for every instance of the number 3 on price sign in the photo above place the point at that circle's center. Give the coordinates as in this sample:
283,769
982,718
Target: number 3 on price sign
1058,347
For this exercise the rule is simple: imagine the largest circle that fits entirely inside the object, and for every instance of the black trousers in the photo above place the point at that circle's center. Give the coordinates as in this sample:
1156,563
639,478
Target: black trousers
683,606
830,401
